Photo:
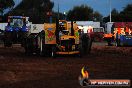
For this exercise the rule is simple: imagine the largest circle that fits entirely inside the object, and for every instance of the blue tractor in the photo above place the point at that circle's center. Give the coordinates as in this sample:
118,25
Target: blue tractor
16,31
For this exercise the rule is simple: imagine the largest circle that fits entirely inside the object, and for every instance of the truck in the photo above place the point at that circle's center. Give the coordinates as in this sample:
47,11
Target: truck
98,34
60,38
108,27
16,30
121,34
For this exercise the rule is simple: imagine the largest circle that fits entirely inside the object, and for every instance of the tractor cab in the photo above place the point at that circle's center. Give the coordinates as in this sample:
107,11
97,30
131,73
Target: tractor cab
16,23
63,28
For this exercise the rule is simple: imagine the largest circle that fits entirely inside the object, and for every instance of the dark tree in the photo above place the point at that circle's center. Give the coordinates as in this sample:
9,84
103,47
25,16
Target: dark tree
115,15
97,16
4,4
124,16
80,13
35,9
83,13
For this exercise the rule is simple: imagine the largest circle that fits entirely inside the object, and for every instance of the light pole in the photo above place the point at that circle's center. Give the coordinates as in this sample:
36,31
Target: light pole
64,15
58,11
110,9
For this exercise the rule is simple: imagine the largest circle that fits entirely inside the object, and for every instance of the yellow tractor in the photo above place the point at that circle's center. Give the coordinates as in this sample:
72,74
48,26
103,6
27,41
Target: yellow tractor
62,37
68,39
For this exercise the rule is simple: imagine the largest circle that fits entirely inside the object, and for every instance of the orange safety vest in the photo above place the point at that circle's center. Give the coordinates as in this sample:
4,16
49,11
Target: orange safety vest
127,30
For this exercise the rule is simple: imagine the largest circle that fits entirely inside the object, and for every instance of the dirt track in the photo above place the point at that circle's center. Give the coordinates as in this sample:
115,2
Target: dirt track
104,62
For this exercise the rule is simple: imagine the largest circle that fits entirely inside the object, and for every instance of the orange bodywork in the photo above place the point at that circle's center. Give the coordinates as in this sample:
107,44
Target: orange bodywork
119,30
108,35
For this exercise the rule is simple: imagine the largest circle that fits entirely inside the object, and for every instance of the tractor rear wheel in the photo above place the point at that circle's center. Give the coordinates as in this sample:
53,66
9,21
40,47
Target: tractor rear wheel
7,43
118,42
53,53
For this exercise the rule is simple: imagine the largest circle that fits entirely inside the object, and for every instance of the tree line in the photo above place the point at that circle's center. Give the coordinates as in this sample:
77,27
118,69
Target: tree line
84,13
124,16
37,11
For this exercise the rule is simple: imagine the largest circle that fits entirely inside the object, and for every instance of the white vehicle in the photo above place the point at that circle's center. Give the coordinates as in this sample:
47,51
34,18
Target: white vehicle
2,26
108,26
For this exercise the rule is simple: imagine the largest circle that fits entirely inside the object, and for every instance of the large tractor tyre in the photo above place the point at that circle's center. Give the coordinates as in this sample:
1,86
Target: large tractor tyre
84,43
80,51
8,39
85,48
43,51
29,46
53,53
22,36
37,45
109,40
23,42
118,43
28,52
15,37
90,41
46,51
7,43
49,51
28,49
41,42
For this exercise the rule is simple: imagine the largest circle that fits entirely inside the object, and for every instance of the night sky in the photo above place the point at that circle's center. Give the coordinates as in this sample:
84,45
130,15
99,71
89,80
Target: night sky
98,5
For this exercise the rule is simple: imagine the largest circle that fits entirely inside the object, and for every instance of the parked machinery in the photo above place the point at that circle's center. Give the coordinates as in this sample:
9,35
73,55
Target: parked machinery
98,34
62,37
68,39
121,33
16,30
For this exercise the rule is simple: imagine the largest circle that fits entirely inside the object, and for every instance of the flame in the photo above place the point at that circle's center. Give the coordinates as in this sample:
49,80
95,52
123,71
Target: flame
84,73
